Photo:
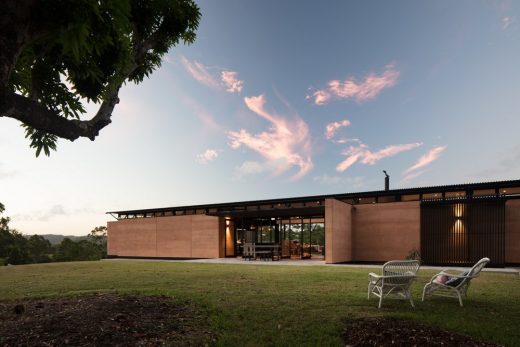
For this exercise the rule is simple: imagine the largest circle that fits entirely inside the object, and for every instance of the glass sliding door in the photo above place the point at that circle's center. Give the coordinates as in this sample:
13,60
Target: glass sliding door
318,240
285,240
306,238
296,237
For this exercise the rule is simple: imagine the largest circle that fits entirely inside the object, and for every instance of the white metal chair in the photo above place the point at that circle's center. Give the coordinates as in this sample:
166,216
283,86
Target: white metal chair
456,285
397,277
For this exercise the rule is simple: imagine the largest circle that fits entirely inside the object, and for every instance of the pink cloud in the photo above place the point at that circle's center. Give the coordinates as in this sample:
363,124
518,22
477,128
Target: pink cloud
199,72
352,157
360,91
508,22
207,156
285,144
321,97
230,81
362,154
424,160
331,128
344,140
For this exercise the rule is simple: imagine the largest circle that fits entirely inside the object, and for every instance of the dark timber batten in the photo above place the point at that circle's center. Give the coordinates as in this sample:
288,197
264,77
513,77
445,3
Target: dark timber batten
461,232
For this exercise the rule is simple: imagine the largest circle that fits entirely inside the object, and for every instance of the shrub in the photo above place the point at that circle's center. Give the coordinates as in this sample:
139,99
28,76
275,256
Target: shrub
414,254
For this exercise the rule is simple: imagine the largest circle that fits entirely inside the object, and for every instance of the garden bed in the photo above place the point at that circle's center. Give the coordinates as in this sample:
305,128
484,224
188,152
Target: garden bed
103,320
381,331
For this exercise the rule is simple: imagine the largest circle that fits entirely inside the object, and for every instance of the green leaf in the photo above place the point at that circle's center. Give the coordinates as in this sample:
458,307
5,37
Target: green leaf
40,140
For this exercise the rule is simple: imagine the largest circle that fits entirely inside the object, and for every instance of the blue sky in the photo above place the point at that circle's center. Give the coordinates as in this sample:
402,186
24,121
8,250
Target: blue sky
291,98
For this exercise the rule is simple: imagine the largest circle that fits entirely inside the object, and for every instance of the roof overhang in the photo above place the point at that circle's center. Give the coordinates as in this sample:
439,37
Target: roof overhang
311,211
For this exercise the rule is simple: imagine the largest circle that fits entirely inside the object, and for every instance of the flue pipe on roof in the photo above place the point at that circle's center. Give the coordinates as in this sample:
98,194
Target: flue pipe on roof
387,181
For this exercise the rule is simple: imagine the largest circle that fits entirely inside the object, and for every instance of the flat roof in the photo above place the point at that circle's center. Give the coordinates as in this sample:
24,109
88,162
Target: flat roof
317,201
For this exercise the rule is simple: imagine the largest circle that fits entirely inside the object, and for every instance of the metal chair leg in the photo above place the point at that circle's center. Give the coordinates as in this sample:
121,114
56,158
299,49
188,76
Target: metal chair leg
460,299
411,299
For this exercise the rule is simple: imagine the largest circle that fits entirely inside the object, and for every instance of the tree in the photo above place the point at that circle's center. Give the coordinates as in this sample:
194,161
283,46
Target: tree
17,252
98,237
69,250
39,249
4,221
13,245
93,45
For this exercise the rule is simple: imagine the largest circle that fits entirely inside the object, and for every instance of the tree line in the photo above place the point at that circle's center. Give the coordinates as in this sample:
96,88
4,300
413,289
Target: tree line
17,248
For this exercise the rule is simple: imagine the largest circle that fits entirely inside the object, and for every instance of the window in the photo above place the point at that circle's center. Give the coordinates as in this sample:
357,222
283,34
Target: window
386,199
410,197
314,203
454,195
429,196
510,191
369,200
484,192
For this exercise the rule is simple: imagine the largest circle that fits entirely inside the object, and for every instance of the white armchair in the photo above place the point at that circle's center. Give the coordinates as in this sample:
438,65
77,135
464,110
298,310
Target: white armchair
397,277
453,285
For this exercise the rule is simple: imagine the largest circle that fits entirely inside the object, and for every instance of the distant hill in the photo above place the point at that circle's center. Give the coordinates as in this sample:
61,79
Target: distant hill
56,239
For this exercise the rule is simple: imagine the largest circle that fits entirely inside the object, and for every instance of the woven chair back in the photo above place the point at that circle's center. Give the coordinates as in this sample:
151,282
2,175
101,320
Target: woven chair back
405,270
475,270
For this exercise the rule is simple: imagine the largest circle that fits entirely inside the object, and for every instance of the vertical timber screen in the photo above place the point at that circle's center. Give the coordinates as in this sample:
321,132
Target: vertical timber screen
460,232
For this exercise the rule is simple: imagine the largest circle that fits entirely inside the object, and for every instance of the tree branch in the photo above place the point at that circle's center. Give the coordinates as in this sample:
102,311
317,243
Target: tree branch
35,115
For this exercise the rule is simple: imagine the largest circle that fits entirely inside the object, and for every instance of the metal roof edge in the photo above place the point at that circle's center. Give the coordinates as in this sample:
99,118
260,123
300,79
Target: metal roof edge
401,191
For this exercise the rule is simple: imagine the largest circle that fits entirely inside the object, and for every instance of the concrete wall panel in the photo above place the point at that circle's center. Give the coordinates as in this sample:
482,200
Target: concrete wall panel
513,231
385,231
338,231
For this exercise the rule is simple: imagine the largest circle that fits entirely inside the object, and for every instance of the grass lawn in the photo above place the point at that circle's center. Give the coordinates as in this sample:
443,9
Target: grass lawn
253,305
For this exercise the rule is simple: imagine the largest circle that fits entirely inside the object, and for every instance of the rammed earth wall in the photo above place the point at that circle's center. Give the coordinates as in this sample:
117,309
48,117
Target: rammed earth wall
195,236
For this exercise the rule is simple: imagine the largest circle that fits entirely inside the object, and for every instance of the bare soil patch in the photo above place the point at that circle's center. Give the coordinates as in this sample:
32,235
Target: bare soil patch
103,320
398,332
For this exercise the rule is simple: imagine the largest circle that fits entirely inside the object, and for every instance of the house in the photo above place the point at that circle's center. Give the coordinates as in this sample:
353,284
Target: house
448,225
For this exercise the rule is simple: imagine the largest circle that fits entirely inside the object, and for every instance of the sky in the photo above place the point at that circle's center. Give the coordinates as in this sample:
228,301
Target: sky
290,98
